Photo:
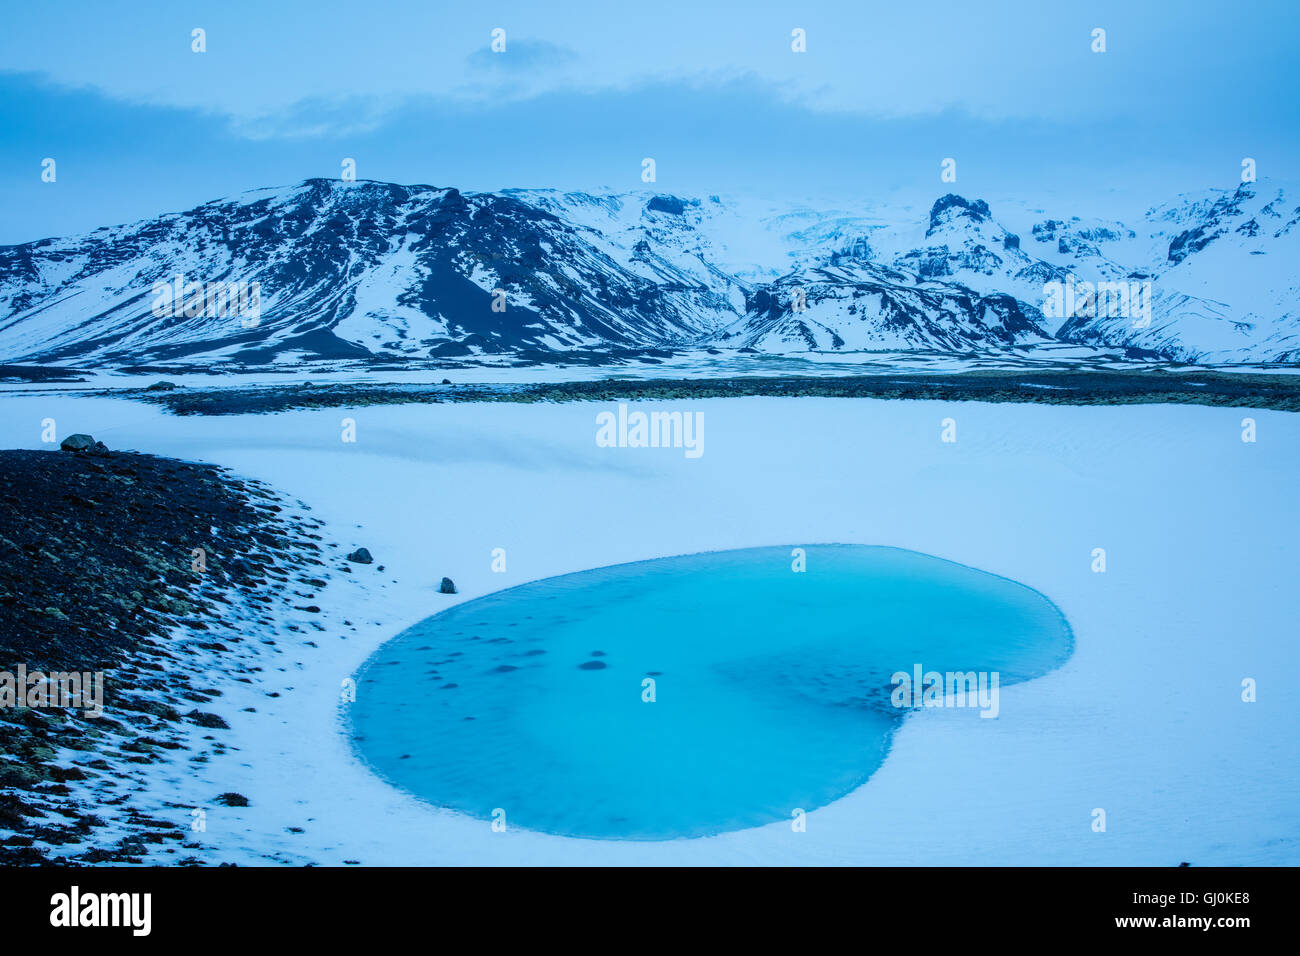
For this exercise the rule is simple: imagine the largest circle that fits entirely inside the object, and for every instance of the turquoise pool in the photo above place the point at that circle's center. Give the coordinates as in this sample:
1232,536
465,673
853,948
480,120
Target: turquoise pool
771,688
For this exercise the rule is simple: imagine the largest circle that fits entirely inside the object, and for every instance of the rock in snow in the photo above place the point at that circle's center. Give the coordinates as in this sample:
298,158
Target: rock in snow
81,442
447,586
360,556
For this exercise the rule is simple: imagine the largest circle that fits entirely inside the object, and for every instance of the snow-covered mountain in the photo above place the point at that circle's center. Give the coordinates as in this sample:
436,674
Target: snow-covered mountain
367,269
1226,271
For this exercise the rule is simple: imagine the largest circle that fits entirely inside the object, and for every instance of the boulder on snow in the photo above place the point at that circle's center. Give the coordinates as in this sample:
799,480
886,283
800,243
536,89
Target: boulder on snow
360,556
81,442
163,386
447,586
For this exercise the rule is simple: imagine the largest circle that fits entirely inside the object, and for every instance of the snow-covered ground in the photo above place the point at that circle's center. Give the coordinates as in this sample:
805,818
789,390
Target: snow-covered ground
1145,721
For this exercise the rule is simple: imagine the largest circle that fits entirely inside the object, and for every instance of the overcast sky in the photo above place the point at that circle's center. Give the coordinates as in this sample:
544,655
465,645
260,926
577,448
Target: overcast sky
139,124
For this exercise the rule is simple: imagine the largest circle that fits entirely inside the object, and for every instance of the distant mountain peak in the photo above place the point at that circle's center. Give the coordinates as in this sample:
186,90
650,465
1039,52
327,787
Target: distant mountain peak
947,209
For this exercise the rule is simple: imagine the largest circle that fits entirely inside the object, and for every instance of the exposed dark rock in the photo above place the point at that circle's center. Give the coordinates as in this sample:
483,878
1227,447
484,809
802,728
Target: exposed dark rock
204,719
1211,227
669,204
447,587
953,206
82,442
360,556
232,799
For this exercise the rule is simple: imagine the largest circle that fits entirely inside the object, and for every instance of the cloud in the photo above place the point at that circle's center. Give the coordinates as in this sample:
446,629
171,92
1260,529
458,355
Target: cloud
526,69
319,116
523,55
301,70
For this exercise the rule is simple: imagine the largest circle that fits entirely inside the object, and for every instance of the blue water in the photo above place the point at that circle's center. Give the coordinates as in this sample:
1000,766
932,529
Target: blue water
772,687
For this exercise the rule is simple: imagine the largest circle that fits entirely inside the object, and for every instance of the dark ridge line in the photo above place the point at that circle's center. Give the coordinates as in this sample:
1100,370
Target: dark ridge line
1092,387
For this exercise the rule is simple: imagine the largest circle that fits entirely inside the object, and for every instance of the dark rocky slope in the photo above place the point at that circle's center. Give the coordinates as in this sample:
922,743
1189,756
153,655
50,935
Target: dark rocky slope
98,572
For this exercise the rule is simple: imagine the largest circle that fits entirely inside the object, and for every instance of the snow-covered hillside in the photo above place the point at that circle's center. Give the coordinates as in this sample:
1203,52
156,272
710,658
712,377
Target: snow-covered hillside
366,269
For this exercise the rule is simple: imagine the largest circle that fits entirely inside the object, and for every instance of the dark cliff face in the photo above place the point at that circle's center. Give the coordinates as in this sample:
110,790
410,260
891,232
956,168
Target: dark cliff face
950,207
1210,227
669,204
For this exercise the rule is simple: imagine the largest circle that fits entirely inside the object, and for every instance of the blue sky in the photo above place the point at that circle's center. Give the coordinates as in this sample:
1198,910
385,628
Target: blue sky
139,124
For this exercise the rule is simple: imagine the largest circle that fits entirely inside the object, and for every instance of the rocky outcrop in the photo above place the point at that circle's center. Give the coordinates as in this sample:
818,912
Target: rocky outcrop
82,443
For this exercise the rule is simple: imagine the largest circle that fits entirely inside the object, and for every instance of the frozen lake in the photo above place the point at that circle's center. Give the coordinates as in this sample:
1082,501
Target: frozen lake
686,696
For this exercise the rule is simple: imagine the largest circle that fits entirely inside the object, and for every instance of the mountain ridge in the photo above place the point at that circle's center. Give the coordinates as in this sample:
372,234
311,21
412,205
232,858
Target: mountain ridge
372,270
